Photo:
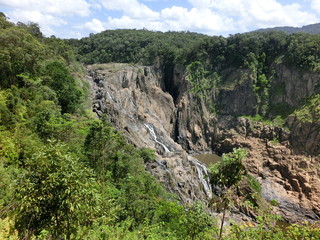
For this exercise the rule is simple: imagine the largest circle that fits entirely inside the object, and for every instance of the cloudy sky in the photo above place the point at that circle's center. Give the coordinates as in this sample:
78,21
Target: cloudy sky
79,18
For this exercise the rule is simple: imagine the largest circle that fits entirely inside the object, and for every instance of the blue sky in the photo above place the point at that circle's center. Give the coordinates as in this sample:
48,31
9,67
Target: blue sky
79,18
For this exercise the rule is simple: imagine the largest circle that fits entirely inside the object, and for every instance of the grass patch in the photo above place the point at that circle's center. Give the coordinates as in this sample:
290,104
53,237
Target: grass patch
254,184
275,141
277,121
310,111
274,203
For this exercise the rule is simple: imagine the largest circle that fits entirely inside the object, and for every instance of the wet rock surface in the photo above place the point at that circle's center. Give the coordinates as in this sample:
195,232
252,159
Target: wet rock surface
134,101
155,114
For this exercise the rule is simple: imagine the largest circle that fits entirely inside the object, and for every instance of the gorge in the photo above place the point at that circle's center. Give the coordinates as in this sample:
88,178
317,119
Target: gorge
102,137
138,103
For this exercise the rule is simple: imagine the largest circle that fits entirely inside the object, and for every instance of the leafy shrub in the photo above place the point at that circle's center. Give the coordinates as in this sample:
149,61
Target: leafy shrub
148,155
274,202
254,184
55,193
230,170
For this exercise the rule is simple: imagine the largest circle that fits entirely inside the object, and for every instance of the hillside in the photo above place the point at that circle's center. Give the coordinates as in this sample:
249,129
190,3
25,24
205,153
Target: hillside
92,149
246,91
311,29
223,63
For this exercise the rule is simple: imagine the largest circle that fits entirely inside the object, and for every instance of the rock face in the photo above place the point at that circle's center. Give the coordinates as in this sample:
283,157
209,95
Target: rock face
133,99
304,136
161,114
290,179
291,86
239,101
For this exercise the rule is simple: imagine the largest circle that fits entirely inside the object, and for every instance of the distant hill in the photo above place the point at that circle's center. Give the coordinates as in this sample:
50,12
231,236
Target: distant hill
312,29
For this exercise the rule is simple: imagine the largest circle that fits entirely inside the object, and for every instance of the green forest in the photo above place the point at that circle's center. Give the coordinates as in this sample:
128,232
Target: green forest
65,174
212,60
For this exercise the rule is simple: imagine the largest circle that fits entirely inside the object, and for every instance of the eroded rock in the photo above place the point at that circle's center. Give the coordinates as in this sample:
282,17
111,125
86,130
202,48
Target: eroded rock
161,114
290,179
134,100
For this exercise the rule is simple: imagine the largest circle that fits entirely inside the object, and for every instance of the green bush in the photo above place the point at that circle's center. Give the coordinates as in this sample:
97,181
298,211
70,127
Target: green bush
148,155
230,170
274,203
55,193
254,184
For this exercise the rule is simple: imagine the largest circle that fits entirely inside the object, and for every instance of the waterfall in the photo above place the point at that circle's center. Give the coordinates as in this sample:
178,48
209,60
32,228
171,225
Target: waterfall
153,134
202,174
109,95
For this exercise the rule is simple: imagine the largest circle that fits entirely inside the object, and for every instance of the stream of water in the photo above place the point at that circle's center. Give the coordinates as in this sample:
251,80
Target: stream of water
205,161
210,158
203,177
153,134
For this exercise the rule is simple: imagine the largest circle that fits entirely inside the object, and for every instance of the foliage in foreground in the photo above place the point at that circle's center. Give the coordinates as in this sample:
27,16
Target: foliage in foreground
293,232
66,175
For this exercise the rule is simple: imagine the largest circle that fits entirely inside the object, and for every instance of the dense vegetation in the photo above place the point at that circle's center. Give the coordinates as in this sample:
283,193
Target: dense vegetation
311,29
136,46
65,174
216,63
310,111
217,53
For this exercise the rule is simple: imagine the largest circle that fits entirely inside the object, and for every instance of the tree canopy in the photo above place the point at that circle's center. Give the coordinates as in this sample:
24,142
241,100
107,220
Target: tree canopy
65,174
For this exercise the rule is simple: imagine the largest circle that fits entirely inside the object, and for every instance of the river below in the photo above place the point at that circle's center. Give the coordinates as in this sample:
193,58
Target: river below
208,158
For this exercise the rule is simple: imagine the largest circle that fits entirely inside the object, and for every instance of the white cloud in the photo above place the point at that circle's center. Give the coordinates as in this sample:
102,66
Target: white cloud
214,17
271,13
251,14
47,31
75,34
45,20
94,26
54,7
202,19
177,19
201,3
95,4
132,23
131,8
315,4
37,17
48,13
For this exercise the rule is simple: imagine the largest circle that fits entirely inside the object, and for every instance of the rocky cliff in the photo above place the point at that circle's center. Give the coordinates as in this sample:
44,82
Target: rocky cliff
292,180
134,100
161,114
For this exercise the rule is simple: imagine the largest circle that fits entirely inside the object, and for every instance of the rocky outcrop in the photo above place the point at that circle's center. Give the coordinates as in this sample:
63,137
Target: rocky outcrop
304,135
291,86
229,126
134,100
290,179
241,100
160,113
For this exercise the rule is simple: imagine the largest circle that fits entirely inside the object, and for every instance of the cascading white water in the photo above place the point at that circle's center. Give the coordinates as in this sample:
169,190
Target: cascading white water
202,174
153,134
109,95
